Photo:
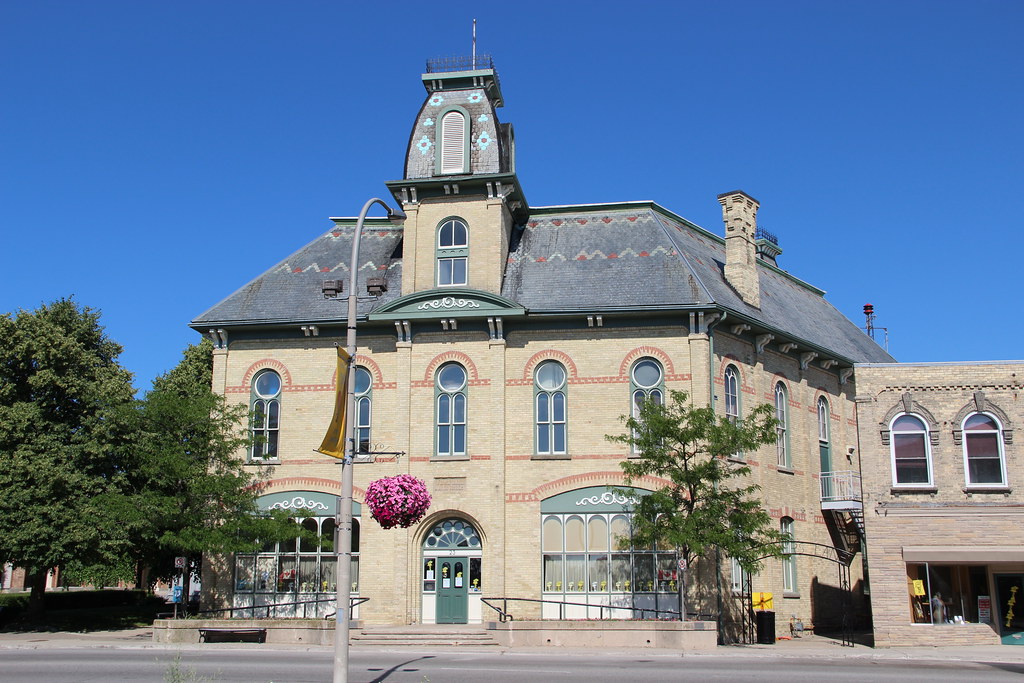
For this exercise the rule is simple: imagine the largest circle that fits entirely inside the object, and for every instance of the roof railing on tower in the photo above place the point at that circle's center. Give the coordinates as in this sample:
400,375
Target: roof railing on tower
762,234
447,64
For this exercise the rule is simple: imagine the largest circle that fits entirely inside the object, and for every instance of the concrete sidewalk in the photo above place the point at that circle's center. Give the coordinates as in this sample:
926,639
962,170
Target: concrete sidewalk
807,646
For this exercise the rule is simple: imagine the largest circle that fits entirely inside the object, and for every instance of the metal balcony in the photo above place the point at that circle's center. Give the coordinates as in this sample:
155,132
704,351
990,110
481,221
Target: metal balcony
841,491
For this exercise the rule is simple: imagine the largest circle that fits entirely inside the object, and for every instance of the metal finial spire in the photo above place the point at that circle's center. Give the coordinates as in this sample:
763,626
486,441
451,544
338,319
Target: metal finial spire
474,43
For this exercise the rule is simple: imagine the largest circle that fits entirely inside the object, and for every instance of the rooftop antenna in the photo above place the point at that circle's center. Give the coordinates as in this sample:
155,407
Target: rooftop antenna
869,315
474,43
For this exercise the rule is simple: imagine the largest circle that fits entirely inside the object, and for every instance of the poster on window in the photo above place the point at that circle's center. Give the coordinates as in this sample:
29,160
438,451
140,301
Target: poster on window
446,582
985,609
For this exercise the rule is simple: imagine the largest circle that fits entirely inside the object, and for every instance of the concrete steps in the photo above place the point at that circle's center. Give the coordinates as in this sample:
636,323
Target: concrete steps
422,636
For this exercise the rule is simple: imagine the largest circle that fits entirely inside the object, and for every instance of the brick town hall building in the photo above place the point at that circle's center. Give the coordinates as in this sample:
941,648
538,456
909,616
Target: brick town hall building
504,343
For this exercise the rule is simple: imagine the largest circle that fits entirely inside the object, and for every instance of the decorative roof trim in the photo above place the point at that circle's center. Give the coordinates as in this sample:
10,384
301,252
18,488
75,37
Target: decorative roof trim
447,302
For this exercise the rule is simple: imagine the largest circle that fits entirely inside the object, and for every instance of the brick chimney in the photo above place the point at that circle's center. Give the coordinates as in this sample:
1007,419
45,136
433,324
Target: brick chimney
739,211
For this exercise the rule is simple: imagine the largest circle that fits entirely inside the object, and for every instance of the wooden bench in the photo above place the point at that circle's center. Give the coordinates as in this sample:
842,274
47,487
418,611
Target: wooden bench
232,635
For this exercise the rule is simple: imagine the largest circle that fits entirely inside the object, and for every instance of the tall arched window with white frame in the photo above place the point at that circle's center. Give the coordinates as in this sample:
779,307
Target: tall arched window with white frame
452,253
984,464
451,384
265,416
732,394
364,409
911,452
647,385
824,448
789,578
782,427
550,408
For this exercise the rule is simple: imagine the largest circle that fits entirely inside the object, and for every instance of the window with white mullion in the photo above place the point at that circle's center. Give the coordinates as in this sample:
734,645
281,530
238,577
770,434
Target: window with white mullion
782,428
451,410
550,407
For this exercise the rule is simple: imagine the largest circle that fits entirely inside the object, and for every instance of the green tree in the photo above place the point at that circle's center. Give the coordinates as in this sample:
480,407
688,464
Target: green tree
707,503
188,492
65,417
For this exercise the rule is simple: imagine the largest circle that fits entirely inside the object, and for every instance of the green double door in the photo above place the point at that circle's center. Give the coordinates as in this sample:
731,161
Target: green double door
452,590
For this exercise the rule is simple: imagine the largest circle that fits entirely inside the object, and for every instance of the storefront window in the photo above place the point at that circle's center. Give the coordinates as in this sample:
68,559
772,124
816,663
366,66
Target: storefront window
948,594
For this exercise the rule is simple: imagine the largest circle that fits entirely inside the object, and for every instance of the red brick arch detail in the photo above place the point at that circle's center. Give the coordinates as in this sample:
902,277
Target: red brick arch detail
728,360
549,354
813,407
318,484
264,363
369,364
642,352
449,356
793,400
579,481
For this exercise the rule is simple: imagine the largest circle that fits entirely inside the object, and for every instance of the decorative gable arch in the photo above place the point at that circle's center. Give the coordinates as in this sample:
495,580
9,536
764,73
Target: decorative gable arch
907,404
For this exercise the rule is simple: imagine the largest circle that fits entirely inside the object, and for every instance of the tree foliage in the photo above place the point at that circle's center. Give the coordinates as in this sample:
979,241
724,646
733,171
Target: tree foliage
101,484
65,417
188,492
707,503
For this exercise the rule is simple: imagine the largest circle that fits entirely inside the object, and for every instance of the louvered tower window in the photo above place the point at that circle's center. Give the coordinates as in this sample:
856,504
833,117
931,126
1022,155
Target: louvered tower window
453,143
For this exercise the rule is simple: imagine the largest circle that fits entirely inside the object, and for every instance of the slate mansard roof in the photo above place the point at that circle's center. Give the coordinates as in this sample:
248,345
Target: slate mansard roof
625,258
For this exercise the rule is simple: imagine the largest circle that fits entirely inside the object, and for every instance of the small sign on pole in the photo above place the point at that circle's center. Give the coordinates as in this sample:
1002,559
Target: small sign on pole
179,562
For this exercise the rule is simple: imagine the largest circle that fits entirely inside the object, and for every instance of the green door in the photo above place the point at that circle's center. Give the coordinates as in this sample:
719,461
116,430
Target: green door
452,590
1010,599
825,460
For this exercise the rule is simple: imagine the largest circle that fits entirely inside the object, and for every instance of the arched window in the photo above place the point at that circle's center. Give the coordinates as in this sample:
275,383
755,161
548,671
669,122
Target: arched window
647,384
364,409
452,253
824,448
782,428
732,394
911,461
549,402
983,451
453,143
789,584
451,410
266,415
306,564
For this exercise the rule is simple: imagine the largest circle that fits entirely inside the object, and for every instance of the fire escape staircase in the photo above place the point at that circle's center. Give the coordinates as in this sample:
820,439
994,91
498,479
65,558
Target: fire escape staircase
842,507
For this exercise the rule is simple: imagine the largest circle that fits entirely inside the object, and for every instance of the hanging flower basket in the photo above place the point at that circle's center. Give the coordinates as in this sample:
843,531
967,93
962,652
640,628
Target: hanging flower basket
398,501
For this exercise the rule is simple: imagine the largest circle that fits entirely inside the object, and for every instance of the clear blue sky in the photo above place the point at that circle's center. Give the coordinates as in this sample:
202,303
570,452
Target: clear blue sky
156,156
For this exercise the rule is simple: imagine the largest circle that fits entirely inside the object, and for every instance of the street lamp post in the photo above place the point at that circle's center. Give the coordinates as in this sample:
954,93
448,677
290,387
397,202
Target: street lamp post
344,550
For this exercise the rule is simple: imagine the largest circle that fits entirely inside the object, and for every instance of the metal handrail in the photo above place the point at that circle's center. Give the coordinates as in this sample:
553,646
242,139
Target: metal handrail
840,485
231,610
504,615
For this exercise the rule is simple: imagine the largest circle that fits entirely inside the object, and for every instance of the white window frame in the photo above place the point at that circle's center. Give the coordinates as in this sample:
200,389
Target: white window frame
925,436
789,573
996,434
783,457
552,425
454,257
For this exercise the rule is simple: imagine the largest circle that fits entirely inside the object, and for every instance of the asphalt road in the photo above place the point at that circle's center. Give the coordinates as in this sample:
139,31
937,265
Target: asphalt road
239,664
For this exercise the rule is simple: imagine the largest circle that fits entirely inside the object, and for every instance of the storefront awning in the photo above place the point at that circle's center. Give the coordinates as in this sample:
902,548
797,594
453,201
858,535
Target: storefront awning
961,554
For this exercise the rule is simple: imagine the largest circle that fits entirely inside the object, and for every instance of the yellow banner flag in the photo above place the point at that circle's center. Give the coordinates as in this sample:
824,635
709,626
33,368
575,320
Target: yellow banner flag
334,440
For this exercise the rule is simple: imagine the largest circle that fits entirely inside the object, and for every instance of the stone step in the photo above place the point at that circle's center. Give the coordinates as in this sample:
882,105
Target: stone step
421,637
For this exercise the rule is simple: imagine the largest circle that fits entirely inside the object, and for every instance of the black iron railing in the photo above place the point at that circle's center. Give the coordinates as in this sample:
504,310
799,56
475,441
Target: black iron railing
645,612
273,607
448,64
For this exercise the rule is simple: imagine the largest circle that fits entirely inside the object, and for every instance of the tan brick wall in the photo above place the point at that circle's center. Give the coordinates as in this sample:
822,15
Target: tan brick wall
499,486
490,226
947,514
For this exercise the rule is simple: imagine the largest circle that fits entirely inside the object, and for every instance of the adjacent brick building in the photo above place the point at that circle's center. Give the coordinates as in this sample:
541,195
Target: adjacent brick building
504,341
944,511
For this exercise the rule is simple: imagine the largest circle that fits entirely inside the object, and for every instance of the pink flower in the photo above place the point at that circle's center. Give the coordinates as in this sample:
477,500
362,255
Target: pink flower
400,501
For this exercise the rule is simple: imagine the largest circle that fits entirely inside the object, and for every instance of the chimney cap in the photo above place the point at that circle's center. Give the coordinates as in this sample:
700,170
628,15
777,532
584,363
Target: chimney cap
728,194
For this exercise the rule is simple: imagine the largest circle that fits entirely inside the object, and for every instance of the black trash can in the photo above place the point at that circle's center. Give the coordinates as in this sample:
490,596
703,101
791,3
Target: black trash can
765,628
